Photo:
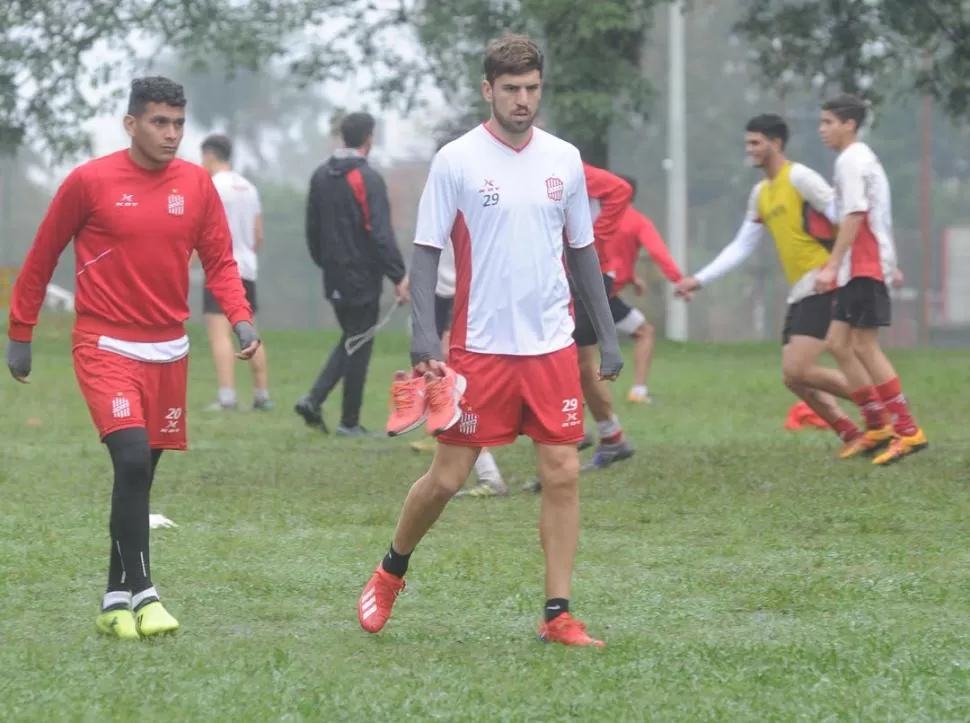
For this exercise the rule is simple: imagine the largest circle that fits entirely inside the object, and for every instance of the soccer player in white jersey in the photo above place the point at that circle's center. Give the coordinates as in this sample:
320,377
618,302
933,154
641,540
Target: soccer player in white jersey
245,215
862,263
513,200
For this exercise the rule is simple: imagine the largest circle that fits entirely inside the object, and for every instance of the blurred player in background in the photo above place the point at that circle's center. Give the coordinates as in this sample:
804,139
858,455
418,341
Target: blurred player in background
609,197
513,201
135,216
797,206
862,264
637,232
350,236
245,216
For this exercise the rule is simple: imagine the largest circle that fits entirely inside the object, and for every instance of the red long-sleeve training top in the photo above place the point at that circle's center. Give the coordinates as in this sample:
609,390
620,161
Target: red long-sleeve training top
134,232
613,195
636,231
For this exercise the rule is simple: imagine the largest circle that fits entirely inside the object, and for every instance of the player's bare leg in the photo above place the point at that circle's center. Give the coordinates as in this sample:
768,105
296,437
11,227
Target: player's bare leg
799,366
643,343
909,437
424,504
559,533
259,367
613,446
223,356
879,431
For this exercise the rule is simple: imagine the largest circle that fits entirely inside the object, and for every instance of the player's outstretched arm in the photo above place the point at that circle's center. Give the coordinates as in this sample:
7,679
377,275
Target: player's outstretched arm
585,269
731,256
64,219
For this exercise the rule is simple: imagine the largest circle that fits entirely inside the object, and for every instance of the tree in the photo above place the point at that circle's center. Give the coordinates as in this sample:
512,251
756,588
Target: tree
879,48
60,60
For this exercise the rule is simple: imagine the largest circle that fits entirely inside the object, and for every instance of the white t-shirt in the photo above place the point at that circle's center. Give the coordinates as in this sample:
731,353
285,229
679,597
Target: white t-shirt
241,201
508,213
861,186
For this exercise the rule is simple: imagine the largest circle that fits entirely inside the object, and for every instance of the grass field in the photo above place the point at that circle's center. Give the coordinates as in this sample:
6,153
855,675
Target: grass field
736,571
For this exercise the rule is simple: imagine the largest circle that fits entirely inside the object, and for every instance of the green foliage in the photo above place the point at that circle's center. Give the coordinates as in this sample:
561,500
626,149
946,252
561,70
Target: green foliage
880,48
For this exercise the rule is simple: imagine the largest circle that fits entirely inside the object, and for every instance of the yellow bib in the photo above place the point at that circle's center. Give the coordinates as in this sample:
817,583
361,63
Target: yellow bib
792,223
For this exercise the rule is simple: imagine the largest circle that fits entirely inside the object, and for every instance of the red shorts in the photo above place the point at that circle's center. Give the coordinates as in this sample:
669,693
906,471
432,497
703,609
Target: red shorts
122,393
538,396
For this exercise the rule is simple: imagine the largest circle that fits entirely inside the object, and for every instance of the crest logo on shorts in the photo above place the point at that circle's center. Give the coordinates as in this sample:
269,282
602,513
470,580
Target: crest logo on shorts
554,188
176,203
120,408
468,424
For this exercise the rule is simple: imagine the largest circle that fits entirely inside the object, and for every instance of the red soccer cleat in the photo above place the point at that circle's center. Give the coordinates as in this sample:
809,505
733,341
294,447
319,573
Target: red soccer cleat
377,600
567,630
408,407
444,400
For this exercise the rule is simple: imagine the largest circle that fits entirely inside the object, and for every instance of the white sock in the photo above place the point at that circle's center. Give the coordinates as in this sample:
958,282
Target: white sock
486,469
640,390
117,599
227,397
145,596
609,428
260,395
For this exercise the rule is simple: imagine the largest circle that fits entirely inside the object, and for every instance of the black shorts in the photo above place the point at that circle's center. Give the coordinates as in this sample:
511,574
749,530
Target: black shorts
211,306
443,308
809,317
863,303
584,334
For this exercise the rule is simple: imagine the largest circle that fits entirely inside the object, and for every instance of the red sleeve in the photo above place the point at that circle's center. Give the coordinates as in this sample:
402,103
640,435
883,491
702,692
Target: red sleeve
614,195
64,219
650,240
215,253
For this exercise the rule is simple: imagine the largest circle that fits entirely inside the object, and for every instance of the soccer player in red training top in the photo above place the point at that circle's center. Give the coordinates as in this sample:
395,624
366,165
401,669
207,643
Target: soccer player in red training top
636,231
862,263
135,217
513,200
609,197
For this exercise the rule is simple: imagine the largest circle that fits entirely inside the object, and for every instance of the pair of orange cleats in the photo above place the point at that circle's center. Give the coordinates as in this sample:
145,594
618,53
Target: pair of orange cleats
425,398
377,601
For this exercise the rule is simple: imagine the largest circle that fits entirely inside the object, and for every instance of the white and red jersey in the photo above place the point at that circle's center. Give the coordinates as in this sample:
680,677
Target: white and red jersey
508,213
861,186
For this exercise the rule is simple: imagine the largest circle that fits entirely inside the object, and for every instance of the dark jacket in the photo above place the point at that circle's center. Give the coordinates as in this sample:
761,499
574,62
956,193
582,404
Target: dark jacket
349,232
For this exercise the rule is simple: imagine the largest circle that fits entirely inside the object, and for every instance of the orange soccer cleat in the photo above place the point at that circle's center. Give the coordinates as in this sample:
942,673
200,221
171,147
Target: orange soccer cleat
567,630
444,400
409,409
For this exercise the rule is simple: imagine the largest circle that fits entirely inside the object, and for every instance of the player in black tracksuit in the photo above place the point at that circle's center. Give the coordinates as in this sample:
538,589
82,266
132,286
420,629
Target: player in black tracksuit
350,237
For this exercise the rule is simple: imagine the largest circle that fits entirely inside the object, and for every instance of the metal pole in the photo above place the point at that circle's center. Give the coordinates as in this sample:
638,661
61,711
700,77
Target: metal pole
677,321
926,222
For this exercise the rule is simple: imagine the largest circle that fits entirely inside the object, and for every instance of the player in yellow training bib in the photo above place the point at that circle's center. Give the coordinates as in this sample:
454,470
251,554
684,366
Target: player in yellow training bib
797,205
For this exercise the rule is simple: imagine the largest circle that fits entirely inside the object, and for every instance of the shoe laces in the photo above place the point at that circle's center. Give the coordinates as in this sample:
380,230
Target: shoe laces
403,395
438,393
388,584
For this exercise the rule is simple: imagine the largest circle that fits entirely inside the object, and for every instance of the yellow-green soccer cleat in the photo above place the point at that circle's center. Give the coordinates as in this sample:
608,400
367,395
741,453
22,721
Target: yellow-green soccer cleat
153,619
118,623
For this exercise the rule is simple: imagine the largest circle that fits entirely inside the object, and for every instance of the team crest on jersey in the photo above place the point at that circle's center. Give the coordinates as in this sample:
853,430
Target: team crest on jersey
554,188
176,203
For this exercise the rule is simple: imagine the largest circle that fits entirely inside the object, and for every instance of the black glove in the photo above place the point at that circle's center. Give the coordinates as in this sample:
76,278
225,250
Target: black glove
18,358
246,333
611,362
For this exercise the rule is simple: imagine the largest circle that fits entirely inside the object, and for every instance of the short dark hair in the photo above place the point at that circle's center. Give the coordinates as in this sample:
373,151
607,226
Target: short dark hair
632,181
356,129
847,107
155,89
218,145
771,125
512,54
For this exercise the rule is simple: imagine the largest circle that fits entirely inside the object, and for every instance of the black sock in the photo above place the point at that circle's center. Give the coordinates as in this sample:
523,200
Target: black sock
395,563
556,607
129,568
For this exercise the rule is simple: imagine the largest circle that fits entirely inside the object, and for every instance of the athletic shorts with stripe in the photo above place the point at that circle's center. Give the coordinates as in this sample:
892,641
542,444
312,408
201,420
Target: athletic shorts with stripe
508,396
122,393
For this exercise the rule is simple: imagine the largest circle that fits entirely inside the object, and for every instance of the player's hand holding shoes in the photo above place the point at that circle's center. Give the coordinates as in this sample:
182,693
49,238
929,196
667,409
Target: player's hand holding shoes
19,360
248,340
432,394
